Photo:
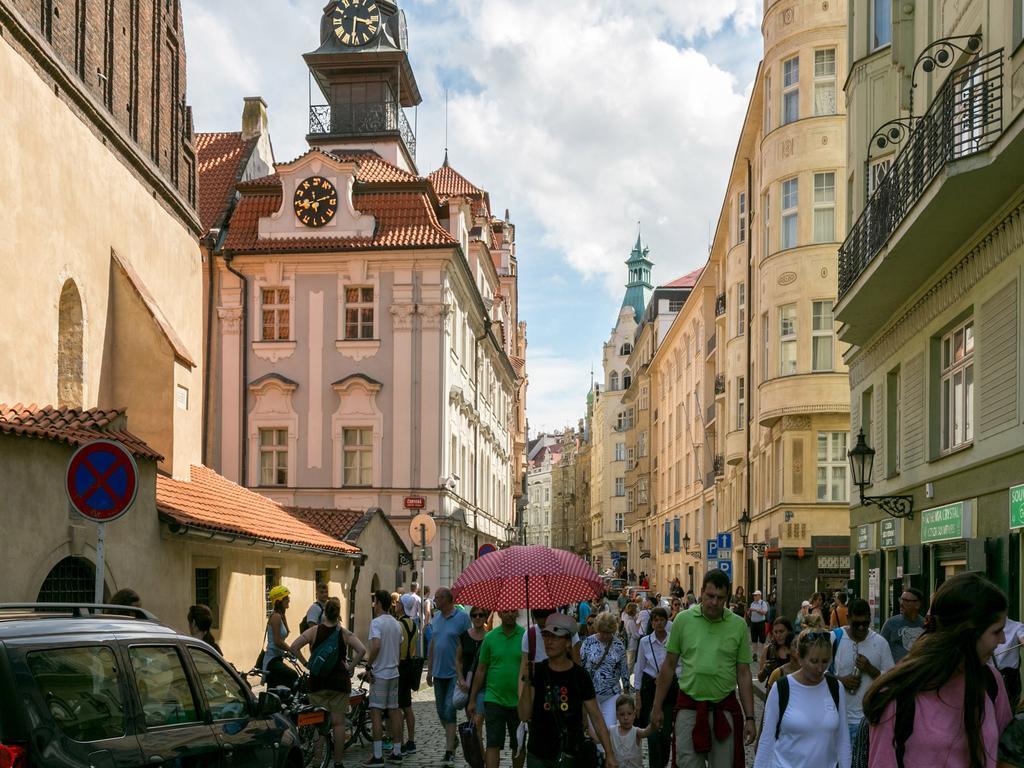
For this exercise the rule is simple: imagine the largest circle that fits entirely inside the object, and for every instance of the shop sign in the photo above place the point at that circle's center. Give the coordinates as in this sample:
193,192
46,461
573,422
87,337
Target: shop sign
891,533
946,523
866,535
1017,506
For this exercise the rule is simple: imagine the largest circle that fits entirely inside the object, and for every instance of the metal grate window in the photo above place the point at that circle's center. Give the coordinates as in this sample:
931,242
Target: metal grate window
206,591
271,578
72,580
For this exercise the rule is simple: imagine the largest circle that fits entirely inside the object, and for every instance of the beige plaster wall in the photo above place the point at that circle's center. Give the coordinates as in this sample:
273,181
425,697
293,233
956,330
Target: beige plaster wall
68,202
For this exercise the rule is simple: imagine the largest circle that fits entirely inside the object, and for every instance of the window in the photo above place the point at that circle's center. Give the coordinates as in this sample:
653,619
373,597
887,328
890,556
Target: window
359,313
273,457
825,207
620,486
893,418
780,471
276,309
825,81
866,412
547,494
789,213
766,341
620,522
357,449
627,379
876,172
741,308
271,578
832,485
767,103
641,490
206,591
787,340
620,451
645,398
668,536
791,90
83,690
741,217
629,501
163,688
767,245
822,333
224,696
641,444
613,381
957,387
677,524
741,402
881,23
630,458
626,349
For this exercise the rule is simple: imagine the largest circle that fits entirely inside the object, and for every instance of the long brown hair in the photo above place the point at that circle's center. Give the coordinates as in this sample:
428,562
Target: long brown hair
963,608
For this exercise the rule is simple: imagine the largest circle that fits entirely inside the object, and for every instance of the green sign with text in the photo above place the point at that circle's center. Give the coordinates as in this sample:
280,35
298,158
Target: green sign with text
1017,506
891,534
944,523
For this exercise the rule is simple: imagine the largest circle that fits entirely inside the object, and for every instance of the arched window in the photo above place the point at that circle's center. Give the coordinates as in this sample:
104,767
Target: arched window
613,381
70,369
72,580
626,349
627,379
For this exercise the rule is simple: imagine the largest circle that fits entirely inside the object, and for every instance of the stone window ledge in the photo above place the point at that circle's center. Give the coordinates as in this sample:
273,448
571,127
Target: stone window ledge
357,349
273,350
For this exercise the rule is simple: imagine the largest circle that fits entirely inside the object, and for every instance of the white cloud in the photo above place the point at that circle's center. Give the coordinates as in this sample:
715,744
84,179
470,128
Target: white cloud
557,392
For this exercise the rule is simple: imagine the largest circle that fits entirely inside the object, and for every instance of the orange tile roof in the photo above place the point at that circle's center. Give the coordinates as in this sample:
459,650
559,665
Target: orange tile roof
220,159
686,281
73,426
518,364
212,502
450,183
334,522
405,219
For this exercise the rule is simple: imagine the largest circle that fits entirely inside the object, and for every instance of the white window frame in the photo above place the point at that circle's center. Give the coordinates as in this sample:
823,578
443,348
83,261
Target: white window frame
741,402
832,478
613,381
360,452
278,309
741,217
788,340
620,522
620,486
824,207
766,345
741,309
824,80
790,89
956,428
360,306
877,5
620,452
790,213
278,451
822,329
767,224
877,169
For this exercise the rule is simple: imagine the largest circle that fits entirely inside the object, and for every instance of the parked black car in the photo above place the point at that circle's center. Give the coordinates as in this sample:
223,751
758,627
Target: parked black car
111,687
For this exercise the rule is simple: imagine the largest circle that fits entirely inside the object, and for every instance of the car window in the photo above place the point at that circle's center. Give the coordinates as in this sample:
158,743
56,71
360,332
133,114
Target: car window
224,695
81,691
163,687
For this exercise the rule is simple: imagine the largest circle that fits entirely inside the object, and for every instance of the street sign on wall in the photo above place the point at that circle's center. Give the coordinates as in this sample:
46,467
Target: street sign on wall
712,549
1017,506
891,533
414,502
725,542
725,566
947,523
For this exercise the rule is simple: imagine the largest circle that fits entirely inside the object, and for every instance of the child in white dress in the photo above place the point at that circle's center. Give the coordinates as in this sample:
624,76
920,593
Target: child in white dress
627,739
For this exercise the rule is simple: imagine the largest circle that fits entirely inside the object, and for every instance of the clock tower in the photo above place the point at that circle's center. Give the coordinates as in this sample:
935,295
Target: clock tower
362,69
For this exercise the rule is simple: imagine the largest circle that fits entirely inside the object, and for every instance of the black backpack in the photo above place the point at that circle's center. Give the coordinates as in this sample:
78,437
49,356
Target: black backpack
783,685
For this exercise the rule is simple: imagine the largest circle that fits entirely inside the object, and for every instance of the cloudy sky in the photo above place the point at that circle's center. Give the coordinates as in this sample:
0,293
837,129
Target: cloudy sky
582,117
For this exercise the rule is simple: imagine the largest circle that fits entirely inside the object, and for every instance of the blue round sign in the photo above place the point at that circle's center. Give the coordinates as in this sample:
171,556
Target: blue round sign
486,549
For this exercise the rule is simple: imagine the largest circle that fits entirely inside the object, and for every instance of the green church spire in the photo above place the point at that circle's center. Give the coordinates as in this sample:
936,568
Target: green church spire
638,285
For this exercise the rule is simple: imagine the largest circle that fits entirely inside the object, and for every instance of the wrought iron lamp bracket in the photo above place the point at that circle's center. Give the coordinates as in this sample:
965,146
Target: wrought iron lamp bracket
695,553
894,506
757,546
941,54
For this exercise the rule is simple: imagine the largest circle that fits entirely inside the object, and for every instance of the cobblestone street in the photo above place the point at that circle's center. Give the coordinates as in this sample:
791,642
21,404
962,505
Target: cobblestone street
430,737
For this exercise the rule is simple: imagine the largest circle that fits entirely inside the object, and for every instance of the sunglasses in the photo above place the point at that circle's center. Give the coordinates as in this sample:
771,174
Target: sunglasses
478,615
860,623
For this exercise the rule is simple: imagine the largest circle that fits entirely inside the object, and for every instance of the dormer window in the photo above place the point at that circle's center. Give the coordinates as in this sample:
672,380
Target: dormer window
626,349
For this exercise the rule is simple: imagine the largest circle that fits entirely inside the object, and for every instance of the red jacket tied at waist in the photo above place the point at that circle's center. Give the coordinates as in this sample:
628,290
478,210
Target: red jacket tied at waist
703,727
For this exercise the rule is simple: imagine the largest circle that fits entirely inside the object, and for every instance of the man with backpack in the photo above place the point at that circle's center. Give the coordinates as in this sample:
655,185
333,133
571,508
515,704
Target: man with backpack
330,671
316,611
860,655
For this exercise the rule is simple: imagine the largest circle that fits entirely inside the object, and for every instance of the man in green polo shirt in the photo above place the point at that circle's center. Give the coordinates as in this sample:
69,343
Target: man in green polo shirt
714,646
498,664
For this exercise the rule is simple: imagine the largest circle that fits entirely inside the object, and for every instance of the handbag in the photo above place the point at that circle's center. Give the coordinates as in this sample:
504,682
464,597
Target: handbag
263,651
460,698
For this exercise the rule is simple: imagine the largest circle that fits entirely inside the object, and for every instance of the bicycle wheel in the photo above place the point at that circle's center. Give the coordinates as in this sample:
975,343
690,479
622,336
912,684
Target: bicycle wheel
357,726
316,746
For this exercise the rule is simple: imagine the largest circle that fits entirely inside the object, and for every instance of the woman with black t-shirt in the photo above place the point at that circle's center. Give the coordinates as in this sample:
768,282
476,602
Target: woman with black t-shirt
465,661
553,702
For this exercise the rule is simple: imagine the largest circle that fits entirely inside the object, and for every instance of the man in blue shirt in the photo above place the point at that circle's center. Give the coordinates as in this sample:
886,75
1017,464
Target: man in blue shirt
447,625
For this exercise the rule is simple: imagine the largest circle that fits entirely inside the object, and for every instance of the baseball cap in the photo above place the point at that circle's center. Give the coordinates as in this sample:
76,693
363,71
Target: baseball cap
278,593
757,591
805,604
560,625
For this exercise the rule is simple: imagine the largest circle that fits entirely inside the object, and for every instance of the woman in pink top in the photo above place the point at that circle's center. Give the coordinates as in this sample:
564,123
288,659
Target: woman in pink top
946,684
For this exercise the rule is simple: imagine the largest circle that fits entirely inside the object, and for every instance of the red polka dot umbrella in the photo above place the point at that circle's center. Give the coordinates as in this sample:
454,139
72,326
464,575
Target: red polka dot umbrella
527,577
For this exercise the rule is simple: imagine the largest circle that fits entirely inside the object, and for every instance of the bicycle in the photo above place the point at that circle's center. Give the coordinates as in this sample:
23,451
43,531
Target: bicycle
315,734
357,722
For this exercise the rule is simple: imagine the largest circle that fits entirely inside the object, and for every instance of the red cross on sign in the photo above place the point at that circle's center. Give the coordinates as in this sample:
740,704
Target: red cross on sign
102,480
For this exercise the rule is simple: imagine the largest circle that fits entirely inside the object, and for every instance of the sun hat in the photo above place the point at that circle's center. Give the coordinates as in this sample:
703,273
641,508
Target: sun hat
560,625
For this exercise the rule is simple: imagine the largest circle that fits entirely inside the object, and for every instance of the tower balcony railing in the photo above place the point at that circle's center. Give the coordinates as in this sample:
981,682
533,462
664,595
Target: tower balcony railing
720,305
720,384
367,119
718,464
965,118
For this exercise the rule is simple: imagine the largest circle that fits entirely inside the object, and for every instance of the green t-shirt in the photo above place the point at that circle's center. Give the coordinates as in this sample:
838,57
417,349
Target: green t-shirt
501,654
709,651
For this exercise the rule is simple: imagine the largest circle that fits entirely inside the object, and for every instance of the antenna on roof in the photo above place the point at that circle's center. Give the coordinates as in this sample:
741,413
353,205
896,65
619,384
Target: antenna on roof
445,127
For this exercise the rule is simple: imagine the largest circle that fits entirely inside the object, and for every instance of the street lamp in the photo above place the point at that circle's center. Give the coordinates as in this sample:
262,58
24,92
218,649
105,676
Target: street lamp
695,553
744,523
510,532
862,460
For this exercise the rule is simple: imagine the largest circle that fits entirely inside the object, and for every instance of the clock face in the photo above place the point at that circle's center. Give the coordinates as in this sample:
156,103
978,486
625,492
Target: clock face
356,22
315,201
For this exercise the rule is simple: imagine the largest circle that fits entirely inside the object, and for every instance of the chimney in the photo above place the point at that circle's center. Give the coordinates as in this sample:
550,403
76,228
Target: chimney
254,117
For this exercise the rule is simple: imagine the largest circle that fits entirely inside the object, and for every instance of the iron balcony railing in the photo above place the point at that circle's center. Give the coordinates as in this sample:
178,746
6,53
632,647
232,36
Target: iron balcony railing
719,465
720,305
720,384
965,118
361,120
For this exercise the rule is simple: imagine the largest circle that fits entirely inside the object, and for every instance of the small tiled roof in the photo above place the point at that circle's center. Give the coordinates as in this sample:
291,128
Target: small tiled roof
518,364
686,281
334,522
220,160
211,502
73,426
450,183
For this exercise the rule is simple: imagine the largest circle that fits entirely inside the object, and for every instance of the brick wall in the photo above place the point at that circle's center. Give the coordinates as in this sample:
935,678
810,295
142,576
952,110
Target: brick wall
130,56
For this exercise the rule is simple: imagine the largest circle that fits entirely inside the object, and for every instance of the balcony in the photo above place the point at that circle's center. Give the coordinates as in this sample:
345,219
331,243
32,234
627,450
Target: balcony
943,185
735,447
374,119
802,394
718,465
720,305
719,384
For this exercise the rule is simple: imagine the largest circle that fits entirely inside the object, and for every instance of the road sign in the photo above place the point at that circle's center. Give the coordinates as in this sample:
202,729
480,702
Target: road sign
712,551
415,502
725,542
102,481
486,549
426,554
724,554
422,530
725,566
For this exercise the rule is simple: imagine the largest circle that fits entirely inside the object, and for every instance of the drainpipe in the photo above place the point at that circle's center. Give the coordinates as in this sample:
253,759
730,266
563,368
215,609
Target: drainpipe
244,469
211,244
749,301
352,593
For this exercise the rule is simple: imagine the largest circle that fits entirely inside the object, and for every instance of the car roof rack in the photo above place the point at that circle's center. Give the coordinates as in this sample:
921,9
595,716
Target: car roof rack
80,610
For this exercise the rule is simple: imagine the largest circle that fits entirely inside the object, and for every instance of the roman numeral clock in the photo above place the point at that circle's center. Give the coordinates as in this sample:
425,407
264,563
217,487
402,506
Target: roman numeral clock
356,22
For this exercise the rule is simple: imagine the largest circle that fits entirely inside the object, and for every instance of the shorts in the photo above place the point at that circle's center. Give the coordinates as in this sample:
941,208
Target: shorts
383,693
498,719
444,689
757,631
404,693
335,702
